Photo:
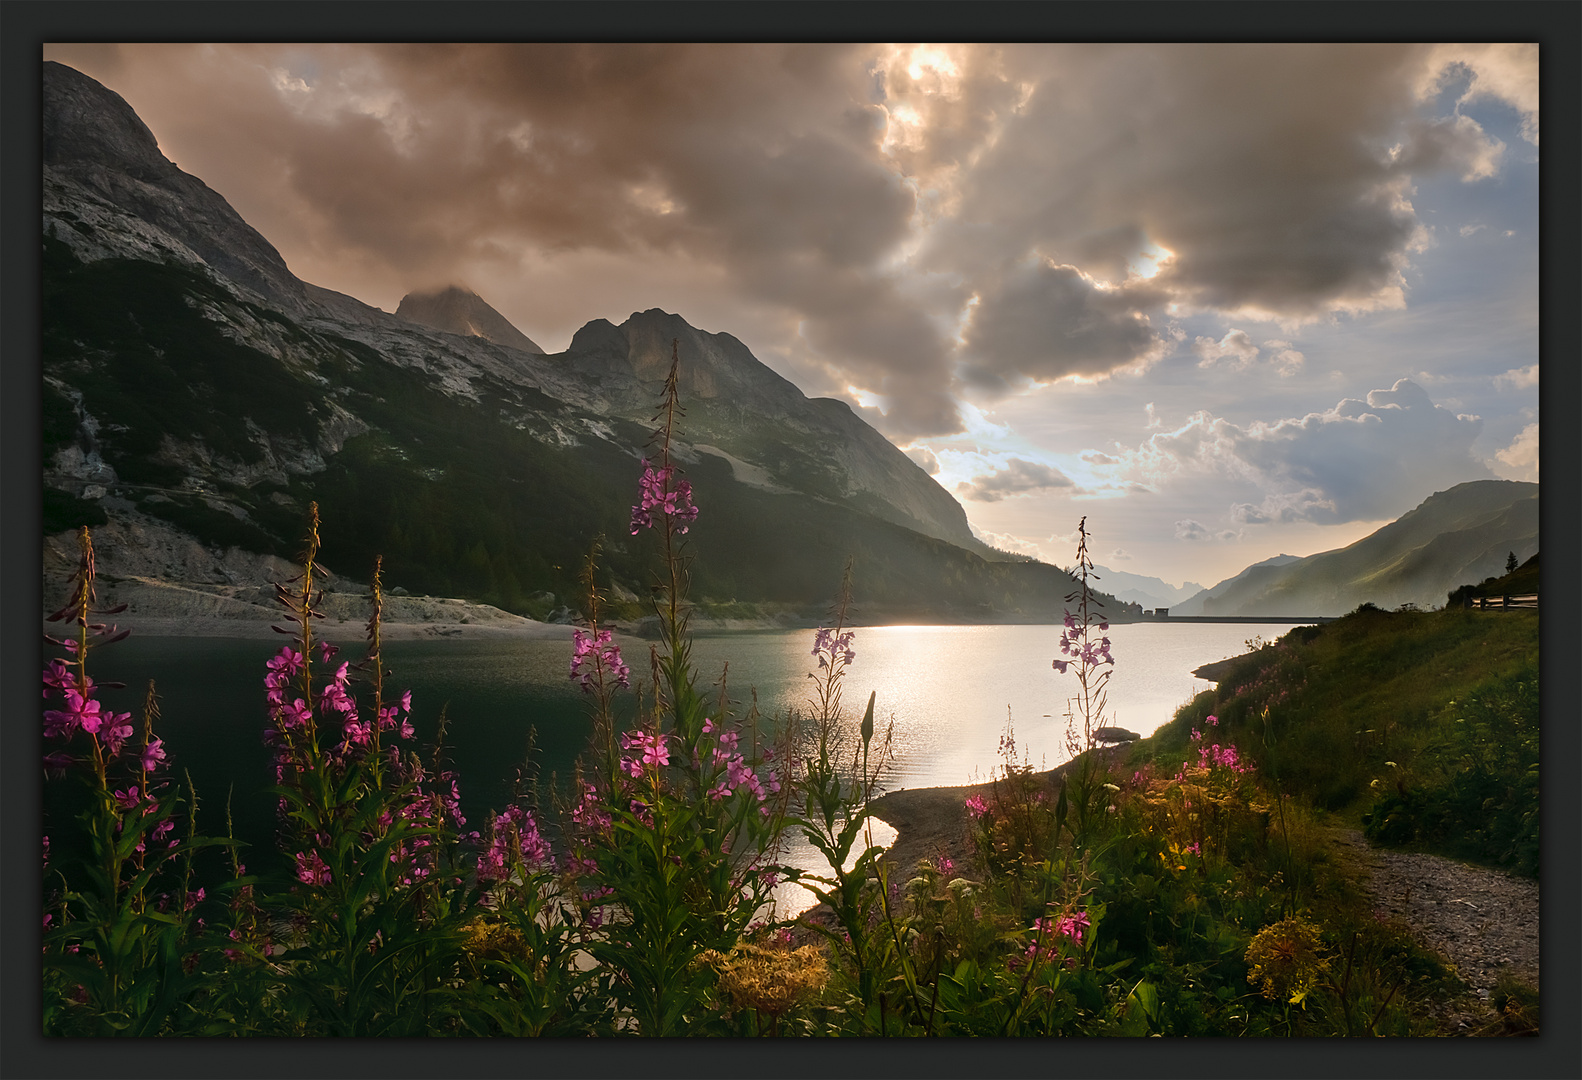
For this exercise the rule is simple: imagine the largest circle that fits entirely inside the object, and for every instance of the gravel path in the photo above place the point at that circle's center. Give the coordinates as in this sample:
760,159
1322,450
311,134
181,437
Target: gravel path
1483,921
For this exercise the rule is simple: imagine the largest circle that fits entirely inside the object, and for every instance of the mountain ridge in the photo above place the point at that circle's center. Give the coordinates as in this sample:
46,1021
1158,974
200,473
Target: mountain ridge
1453,537
471,464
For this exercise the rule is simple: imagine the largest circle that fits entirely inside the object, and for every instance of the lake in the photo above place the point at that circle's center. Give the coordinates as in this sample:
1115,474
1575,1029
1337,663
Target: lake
948,690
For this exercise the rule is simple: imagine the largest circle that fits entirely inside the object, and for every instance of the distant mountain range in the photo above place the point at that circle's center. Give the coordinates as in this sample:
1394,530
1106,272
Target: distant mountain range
1149,592
1455,537
190,377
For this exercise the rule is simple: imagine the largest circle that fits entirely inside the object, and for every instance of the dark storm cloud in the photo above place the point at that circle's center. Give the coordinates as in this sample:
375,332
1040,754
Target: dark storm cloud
863,194
1045,322
1019,477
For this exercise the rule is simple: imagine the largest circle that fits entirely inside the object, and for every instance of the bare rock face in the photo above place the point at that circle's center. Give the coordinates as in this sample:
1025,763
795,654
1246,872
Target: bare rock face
93,139
109,192
462,311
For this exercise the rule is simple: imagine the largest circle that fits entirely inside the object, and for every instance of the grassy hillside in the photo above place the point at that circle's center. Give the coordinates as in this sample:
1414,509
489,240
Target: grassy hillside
1454,536
1422,726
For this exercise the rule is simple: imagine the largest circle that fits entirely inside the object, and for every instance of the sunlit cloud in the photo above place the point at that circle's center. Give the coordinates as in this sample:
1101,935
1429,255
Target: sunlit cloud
1521,456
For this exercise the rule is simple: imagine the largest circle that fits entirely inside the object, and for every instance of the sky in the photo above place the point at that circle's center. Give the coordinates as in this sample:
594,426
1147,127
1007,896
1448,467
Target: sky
1223,301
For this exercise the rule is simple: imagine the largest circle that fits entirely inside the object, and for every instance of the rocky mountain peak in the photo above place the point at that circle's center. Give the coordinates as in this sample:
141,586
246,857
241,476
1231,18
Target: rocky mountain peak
629,363
93,140
461,311
86,123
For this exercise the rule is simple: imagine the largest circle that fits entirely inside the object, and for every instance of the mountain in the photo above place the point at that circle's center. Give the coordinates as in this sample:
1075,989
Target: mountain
462,311
191,381
1149,592
1260,571
1453,538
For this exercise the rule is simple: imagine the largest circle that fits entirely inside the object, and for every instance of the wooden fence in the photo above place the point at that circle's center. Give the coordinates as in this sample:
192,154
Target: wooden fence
1503,603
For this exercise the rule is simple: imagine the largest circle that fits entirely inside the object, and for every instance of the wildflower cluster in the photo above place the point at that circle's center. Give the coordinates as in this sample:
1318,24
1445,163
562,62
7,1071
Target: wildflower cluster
1286,960
514,842
1217,756
832,645
120,916
1083,651
660,490
1050,934
594,653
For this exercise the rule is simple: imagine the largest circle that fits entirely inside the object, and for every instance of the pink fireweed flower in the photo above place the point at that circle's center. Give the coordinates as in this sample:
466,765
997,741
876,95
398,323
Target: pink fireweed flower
598,653
152,755
829,646
657,492
358,733
287,662
128,799
296,714
652,751
81,711
1212,721
976,806
1073,926
327,651
311,870
117,731
58,675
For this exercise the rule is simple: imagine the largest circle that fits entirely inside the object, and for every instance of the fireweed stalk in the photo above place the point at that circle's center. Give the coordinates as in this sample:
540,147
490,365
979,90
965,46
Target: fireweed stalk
869,930
370,832
120,929
836,799
679,831
1085,713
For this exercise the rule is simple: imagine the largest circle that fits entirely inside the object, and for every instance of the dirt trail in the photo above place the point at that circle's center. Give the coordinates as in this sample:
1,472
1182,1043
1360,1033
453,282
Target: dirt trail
1483,921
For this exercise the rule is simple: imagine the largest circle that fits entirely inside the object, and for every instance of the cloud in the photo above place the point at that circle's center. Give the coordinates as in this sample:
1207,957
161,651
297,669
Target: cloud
1094,457
1120,555
1287,361
1276,177
1518,378
1191,530
1237,351
1521,456
1019,477
1044,322
1362,460
1235,347
1468,230
910,221
925,459
1505,71
1284,507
